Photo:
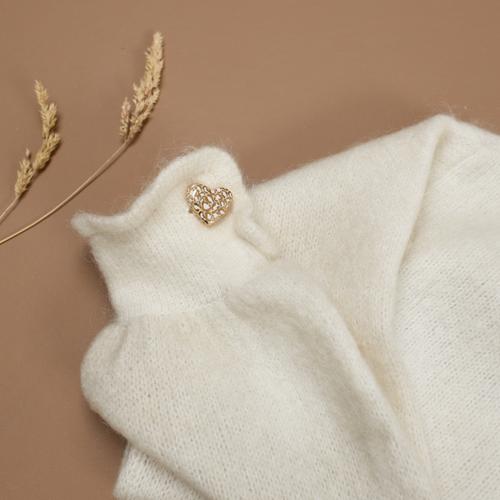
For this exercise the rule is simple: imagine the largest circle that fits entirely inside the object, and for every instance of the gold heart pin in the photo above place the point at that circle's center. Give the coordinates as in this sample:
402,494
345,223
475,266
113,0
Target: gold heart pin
209,205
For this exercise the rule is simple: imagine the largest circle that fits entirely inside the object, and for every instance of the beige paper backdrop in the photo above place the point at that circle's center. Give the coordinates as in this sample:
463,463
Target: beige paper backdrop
279,83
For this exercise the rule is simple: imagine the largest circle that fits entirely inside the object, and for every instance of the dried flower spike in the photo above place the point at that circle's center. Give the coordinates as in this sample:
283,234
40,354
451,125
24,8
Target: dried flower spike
24,175
125,118
50,142
146,93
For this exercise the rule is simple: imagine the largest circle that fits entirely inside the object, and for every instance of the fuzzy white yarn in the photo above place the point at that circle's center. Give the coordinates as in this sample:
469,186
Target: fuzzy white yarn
335,336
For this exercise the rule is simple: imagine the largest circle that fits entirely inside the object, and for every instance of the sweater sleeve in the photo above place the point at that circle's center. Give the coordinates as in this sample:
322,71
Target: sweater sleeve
157,257
229,367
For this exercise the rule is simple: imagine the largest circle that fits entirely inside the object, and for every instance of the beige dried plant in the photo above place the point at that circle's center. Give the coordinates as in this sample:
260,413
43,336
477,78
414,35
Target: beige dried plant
50,141
146,95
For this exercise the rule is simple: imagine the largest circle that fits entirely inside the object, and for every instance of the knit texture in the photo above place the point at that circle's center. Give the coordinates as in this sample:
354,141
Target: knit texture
334,336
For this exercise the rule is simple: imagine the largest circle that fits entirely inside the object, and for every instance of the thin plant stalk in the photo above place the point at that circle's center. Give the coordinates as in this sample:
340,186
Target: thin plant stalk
108,162
12,205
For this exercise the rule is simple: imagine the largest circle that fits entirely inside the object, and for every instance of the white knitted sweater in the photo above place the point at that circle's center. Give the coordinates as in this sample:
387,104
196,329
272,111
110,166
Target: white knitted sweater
336,335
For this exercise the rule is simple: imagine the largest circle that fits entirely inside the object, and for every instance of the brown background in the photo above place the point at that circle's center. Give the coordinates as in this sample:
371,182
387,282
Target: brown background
279,83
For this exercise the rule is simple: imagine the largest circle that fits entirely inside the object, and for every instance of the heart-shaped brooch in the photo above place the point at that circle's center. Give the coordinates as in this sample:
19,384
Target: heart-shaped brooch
209,205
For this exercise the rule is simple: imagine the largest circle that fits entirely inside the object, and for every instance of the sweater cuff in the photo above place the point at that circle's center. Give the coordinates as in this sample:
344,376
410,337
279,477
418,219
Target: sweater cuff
158,257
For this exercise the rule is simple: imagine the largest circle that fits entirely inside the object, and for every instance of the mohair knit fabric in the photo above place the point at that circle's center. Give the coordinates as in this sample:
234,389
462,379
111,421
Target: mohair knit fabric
336,335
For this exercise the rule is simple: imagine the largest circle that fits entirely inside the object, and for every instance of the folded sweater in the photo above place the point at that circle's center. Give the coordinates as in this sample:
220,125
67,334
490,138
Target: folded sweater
335,335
